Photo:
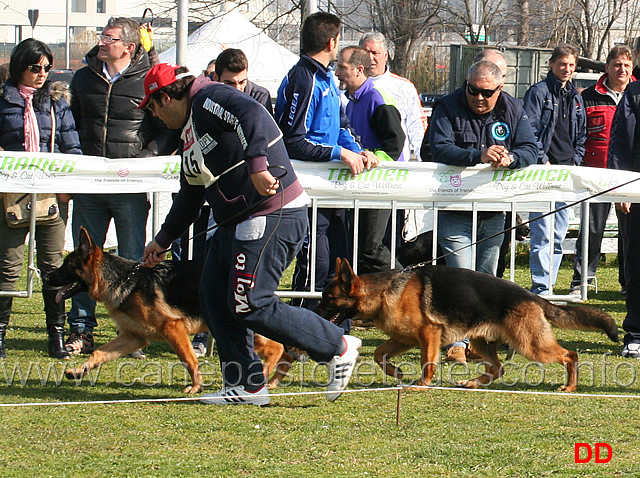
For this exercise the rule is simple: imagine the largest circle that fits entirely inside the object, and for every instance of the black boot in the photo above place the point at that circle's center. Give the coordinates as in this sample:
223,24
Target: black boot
5,312
55,314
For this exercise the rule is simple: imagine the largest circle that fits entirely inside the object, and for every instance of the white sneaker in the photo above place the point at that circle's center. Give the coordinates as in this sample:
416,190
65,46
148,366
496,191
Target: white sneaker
199,349
341,367
237,396
631,351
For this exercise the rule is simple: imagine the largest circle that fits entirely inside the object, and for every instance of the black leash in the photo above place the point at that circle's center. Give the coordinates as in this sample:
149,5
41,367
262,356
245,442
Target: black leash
423,264
245,212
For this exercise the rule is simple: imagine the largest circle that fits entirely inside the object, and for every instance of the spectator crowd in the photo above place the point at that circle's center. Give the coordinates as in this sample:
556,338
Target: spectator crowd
334,105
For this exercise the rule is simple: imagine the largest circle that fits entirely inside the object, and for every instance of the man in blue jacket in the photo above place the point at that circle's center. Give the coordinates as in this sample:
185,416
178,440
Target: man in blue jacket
314,128
376,121
476,124
559,120
232,151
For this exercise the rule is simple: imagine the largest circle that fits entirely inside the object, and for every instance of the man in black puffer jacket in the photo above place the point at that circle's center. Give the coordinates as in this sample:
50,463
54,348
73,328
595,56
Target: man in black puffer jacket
104,100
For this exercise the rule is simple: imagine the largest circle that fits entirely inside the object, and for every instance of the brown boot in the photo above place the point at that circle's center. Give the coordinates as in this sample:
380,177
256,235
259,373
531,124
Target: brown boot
457,354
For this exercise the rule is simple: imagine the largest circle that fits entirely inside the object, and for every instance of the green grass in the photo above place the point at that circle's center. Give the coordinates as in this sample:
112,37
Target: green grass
441,432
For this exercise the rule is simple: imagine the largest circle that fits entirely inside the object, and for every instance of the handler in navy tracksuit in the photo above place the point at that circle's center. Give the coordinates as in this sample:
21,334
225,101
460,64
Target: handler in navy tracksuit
314,128
232,152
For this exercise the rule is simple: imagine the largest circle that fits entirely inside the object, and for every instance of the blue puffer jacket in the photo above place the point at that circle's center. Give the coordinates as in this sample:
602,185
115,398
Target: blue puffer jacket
12,118
541,105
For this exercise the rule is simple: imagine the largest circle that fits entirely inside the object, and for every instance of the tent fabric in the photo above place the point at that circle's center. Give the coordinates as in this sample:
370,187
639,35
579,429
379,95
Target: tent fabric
269,62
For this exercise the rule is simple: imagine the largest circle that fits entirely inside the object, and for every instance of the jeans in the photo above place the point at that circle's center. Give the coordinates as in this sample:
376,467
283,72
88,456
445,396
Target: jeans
242,270
94,212
542,278
598,214
455,232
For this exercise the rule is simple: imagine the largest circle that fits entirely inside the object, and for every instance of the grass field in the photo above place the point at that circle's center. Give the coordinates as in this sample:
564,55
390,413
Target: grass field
451,433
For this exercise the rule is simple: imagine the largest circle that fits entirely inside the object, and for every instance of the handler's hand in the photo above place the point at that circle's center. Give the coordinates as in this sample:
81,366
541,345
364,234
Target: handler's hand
623,207
370,159
265,183
355,161
153,254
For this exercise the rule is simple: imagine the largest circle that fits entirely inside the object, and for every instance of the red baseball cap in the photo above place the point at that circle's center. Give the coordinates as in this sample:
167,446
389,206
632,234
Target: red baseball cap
159,76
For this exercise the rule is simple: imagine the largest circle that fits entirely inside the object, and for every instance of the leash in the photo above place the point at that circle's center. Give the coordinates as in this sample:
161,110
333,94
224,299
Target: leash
424,264
244,212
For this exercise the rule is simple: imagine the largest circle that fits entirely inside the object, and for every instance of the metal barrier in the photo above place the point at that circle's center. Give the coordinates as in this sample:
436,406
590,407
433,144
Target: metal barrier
475,207
356,205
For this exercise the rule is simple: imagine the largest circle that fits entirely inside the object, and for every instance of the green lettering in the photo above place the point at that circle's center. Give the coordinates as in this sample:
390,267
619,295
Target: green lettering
331,171
7,162
68,167
53,165
171,168
403,174
344,175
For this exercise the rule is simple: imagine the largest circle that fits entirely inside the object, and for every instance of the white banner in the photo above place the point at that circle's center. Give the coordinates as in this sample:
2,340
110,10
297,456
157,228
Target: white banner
73,173
403,181
440,182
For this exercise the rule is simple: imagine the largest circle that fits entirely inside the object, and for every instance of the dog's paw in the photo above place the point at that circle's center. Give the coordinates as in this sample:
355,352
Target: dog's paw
74,373
467,384
568,389
192,389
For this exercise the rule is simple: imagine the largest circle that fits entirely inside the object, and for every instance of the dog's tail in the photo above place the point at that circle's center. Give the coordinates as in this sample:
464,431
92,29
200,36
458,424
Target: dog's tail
581,317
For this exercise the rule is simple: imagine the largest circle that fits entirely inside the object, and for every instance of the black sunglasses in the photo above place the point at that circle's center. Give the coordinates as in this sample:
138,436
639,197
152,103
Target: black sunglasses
473,91
38,68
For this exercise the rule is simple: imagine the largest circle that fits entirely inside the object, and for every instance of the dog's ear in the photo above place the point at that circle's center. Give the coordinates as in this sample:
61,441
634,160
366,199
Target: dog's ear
344,271
84,243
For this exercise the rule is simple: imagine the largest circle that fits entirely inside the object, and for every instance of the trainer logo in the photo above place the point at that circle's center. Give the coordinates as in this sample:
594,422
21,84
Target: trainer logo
584,453
500,131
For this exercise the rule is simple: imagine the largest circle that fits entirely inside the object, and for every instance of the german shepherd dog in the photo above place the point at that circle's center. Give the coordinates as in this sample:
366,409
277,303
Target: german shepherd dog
148,305
433,306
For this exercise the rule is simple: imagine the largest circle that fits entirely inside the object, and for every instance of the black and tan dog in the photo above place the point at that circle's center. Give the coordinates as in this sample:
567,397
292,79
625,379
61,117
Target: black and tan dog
433,306
148,305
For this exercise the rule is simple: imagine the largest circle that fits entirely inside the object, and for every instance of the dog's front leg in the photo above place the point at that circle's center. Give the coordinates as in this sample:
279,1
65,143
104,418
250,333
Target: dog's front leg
492,366
387,351
122,345
429,339
176,334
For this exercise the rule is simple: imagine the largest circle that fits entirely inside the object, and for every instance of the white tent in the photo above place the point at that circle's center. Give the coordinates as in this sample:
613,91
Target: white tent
268,61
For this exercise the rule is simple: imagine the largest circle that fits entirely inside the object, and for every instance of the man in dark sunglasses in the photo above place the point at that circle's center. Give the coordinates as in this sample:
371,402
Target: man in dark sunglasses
479,124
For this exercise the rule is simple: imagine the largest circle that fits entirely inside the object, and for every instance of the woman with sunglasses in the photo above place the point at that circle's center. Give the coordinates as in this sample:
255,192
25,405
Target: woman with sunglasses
27,103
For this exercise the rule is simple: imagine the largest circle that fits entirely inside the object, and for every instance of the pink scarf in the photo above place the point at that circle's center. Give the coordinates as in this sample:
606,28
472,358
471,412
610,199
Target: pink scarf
31,130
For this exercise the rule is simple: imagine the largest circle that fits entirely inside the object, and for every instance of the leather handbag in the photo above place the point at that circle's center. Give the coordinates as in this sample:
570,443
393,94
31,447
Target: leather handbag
18,208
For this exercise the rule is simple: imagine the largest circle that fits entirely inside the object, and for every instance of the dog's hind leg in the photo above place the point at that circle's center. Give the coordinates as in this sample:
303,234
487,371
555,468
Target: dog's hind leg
552,352
535,341
275,358
493,368
429,339
388,350
176,334
122,345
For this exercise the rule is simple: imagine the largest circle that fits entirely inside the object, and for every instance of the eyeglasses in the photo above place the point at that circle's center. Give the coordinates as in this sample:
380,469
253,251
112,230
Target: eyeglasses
38,68
486,93
108,39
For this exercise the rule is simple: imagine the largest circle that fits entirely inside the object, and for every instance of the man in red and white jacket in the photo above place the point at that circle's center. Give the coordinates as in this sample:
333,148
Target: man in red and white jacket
600,103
